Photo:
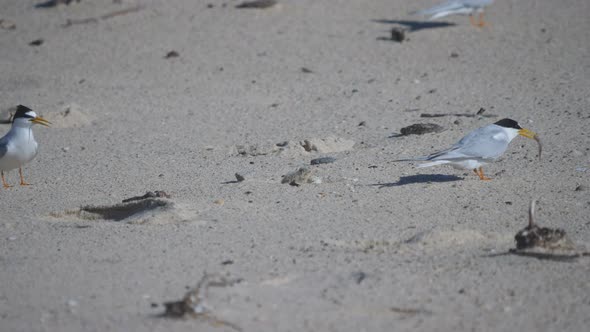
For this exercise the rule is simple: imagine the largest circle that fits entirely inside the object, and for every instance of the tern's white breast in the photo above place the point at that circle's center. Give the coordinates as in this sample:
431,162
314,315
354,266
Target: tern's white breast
21,148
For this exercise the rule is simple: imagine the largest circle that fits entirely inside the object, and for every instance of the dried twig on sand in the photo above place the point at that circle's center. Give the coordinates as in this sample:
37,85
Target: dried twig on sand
257,4
467,115
193,303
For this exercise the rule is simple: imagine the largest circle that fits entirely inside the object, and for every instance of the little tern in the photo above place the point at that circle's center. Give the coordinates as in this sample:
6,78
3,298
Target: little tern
479,147
18,146
458,7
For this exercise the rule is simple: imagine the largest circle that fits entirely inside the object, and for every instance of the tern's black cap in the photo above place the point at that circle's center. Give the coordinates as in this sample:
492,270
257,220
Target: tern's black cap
508,123
22,112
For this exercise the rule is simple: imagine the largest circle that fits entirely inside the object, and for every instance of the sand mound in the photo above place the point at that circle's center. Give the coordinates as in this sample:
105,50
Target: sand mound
73,116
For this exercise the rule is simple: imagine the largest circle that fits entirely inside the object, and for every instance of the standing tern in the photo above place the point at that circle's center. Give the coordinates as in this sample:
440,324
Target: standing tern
459,7
18,146
479,147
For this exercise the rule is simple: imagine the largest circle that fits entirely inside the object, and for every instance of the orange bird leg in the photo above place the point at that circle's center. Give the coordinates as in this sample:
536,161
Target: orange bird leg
481,22
22,180
481,176
6,185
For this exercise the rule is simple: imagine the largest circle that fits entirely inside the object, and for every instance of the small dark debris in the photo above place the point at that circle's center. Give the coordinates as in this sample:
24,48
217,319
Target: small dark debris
508,203
362,123
306,70
172,54
239,177
149,194
322,160
454,55
282,144
359,276
432,91
153,305
227,262
274,105
54,3
82,226
210,5
373,166
398,34
257,4
37,42
581,188
481,111
421,128
457,122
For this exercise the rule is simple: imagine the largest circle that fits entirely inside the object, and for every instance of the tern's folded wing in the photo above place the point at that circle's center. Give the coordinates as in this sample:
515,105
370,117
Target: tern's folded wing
446,7
3,149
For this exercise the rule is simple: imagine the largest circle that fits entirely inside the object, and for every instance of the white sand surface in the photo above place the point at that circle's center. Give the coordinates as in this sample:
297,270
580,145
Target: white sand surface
376,246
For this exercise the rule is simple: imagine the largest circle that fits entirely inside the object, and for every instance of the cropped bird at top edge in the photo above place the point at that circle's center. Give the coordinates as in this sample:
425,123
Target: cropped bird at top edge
458,7
18,146
479,147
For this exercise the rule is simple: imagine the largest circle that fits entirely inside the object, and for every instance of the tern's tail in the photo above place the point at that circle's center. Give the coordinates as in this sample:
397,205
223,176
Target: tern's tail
433,163
412,159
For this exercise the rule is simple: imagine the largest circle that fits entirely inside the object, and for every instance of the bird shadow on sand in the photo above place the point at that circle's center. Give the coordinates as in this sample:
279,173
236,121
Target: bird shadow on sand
413,26
420,178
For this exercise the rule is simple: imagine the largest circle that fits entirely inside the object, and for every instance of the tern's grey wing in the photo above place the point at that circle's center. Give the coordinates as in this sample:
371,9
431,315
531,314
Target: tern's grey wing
452,6
3,149
477,3
488,142
444,7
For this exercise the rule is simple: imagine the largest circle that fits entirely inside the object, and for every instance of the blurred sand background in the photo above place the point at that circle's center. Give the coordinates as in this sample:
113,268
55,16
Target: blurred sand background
376,246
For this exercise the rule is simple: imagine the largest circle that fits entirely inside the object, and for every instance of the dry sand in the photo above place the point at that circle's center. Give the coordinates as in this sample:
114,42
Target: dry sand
376,246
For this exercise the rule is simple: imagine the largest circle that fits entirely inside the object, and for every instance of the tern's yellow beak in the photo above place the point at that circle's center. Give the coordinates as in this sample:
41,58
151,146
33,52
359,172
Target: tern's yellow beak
530,134
527,133
40,121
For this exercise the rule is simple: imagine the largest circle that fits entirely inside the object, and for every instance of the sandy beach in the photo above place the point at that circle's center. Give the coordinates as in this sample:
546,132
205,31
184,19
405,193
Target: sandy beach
179,96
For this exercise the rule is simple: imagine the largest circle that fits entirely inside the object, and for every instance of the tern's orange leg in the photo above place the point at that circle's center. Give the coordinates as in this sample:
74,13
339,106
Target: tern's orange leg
472,20
6,185
481,176
481,22
22,180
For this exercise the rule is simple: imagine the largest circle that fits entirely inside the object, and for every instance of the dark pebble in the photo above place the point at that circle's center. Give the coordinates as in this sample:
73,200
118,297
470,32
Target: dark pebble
323,160
398,34
172,54
36,42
